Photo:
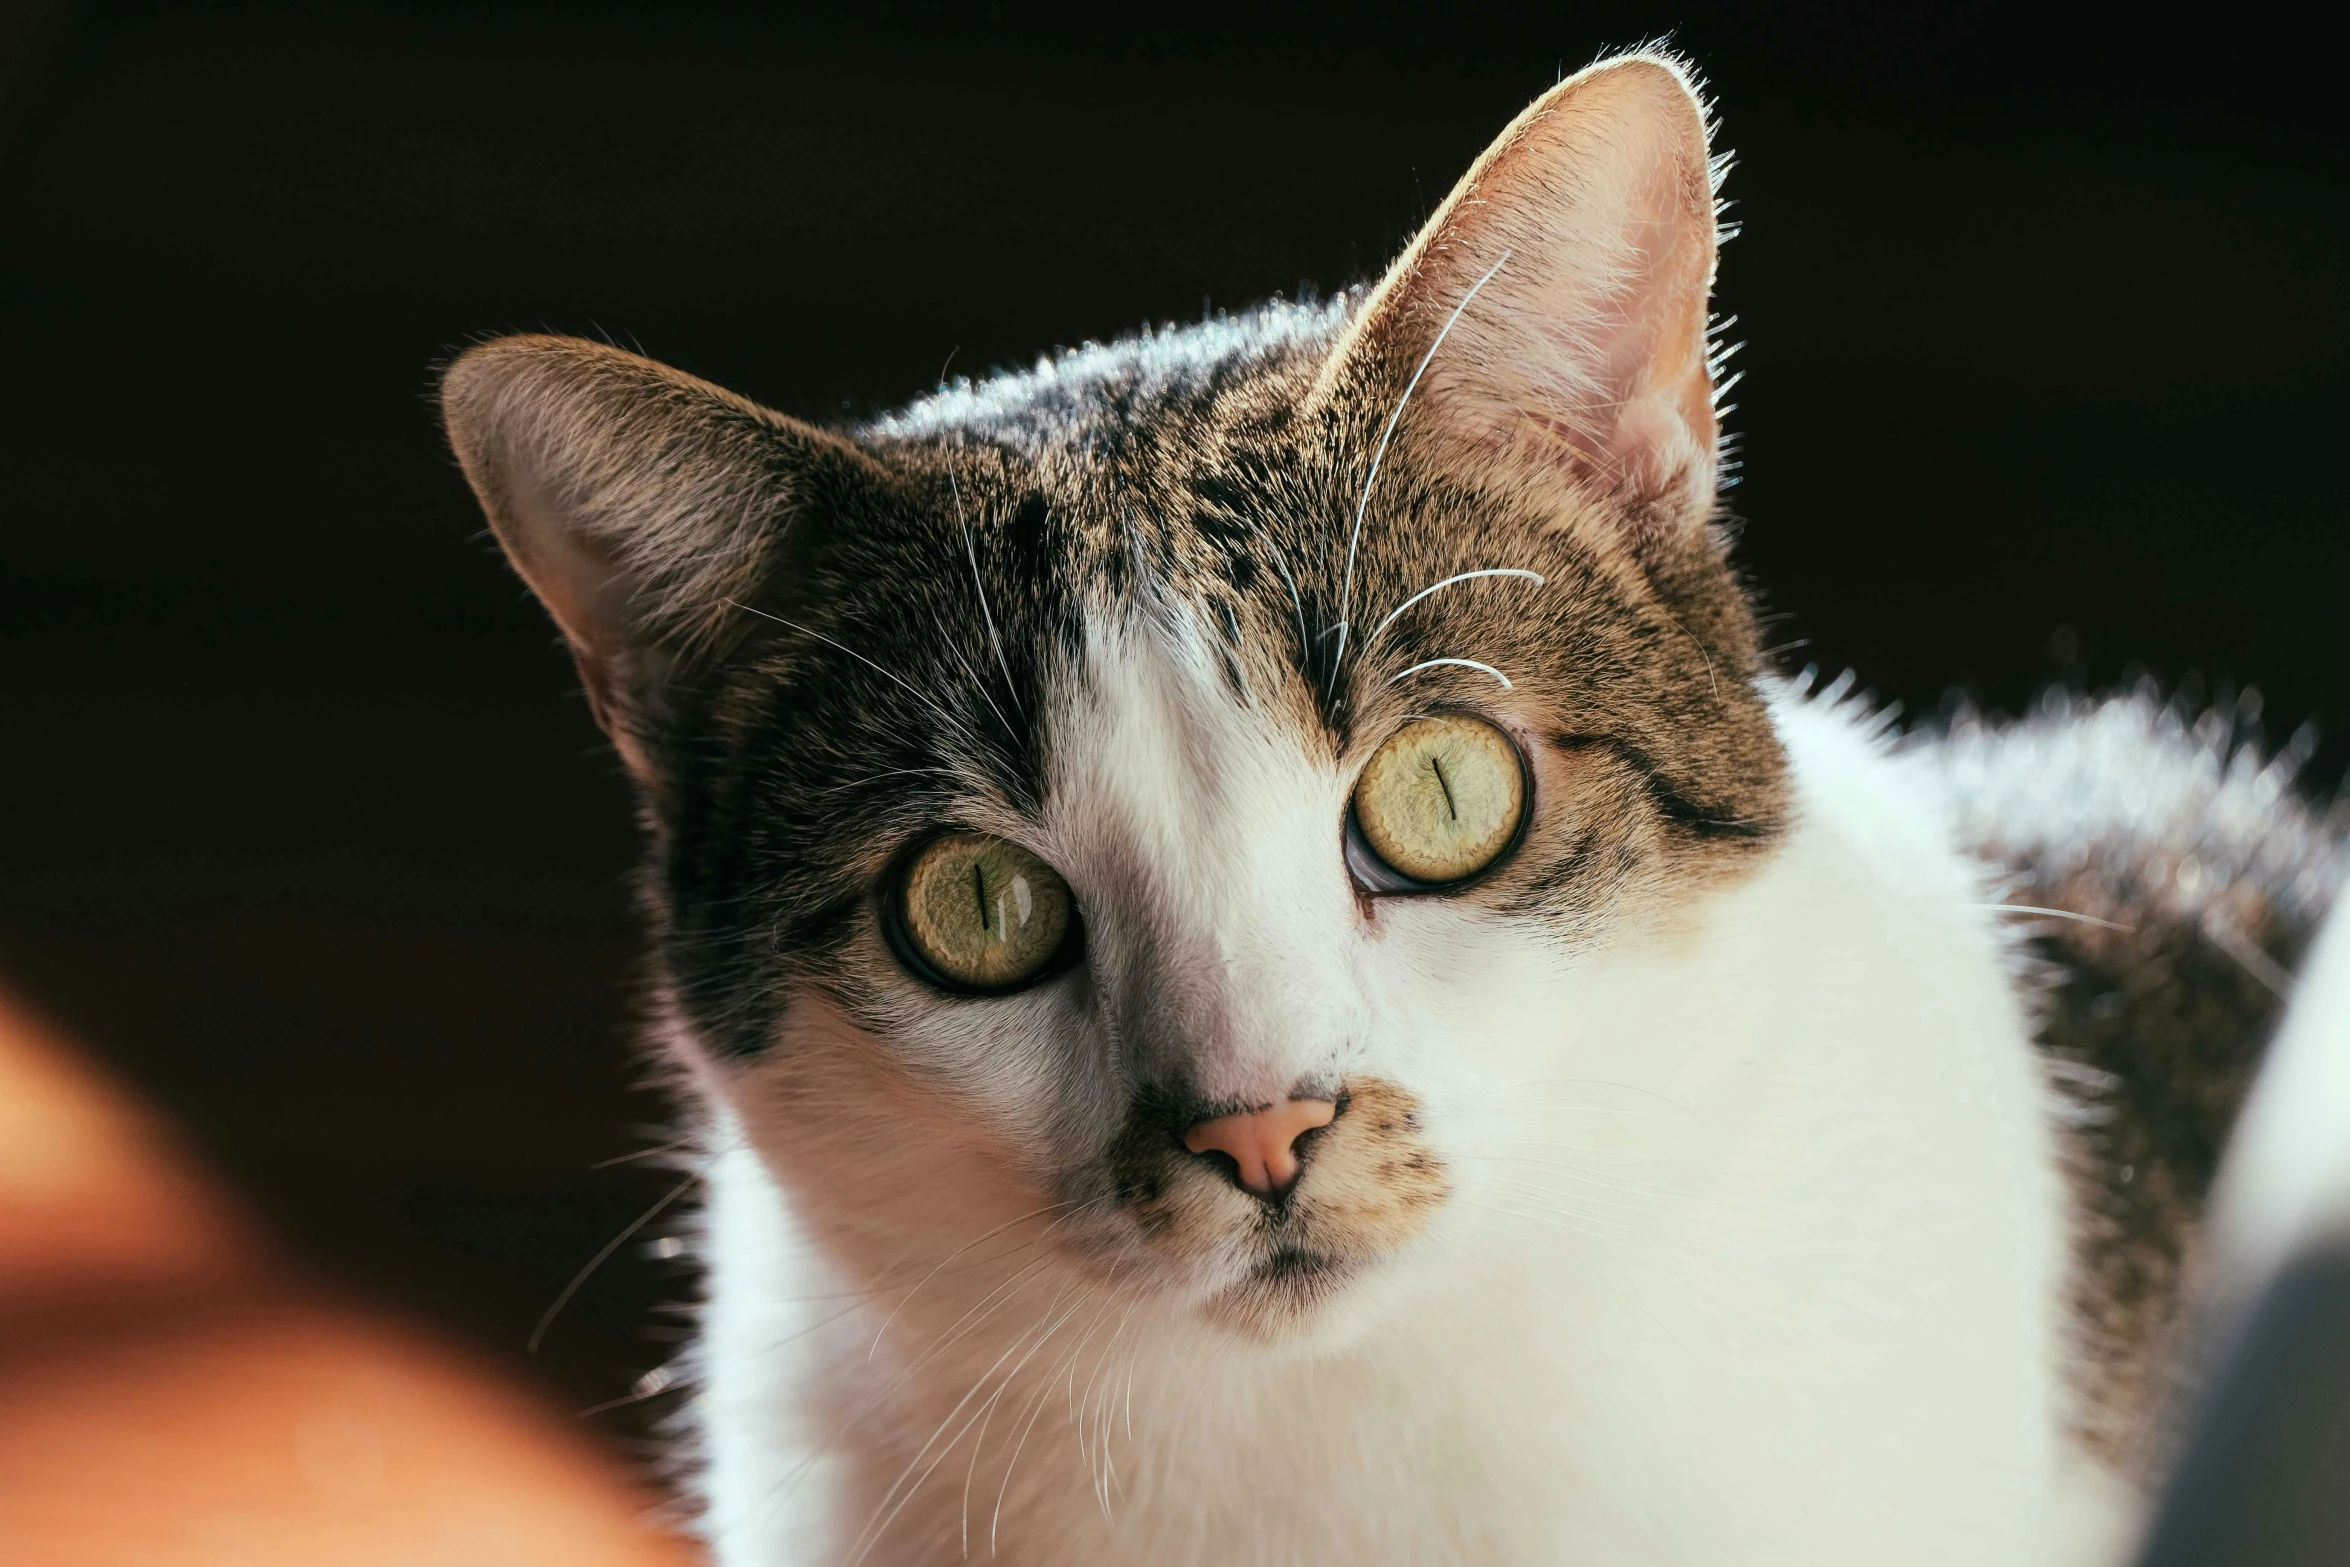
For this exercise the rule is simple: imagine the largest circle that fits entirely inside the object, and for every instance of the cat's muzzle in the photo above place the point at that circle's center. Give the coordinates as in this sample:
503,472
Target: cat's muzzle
1296,1199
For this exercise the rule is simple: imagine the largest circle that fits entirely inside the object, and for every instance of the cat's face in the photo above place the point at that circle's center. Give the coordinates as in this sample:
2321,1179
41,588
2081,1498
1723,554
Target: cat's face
1253,726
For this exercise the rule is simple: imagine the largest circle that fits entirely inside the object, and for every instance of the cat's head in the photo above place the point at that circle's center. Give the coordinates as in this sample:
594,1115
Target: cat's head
1172,790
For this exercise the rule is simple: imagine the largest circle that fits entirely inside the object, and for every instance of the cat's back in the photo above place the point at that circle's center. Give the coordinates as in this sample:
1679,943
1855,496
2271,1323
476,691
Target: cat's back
2168,877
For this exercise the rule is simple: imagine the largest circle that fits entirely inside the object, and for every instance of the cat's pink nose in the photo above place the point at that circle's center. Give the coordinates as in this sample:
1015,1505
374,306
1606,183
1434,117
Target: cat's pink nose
1262,1143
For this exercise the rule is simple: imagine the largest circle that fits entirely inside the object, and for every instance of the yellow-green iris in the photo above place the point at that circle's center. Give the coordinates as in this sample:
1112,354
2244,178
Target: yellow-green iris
1442,798
983,912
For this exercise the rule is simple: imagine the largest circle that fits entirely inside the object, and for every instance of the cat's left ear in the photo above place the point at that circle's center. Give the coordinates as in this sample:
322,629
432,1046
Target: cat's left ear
1555,307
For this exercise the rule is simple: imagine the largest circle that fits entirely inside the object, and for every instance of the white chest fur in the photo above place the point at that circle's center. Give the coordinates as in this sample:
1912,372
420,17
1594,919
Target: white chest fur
1755,1257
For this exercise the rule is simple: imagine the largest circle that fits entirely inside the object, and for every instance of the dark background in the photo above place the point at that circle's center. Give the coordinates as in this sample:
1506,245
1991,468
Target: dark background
306,829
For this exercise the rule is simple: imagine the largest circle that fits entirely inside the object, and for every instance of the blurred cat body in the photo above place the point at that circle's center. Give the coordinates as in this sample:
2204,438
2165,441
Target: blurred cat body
1683,1183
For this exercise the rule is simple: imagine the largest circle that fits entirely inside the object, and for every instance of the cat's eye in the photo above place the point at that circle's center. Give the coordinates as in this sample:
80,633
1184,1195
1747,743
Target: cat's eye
1440,802
979,913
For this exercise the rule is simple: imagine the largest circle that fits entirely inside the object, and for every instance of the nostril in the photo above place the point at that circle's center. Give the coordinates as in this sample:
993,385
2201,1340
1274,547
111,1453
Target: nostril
1261,1144
1223,1162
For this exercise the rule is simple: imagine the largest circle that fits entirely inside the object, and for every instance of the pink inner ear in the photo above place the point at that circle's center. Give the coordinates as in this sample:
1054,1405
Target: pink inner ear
1589,343
1619,307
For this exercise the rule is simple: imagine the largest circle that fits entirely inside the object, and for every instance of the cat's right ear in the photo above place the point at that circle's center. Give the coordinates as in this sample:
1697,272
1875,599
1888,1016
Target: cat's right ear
1551,317
643,506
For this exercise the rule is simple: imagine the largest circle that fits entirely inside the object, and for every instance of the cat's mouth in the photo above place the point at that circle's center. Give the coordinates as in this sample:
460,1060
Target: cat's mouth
1296,1263
1369,1187
1285,1292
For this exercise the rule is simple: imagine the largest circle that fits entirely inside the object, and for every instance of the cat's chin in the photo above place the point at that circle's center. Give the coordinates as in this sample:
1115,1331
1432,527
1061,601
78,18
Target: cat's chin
1294,1295
1288,1293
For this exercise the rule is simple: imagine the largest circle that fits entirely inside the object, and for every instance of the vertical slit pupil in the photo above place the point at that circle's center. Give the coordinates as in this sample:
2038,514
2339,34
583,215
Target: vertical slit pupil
1445,784
979,889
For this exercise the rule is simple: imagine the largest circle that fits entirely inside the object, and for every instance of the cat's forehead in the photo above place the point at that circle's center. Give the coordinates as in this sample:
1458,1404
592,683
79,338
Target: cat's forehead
1213,476
1197,491
1165,457
1090,400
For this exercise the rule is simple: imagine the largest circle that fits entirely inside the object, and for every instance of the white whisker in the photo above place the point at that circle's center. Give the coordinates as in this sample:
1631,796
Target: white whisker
1035,1408
979,1442
643,1153
654,1383
548,1316
919,695
1102,1423
1464,663
1379,455
1555,1221
964,1326
875,1527
895,772
1599,1082
1583,1173
977,684
2223,934
978,1240
972,553
1305,642
1534,577
1712,685
1579,1205
2058,914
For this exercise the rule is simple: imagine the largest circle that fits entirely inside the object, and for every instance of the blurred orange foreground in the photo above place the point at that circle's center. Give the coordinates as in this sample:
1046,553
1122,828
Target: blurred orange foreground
171,1392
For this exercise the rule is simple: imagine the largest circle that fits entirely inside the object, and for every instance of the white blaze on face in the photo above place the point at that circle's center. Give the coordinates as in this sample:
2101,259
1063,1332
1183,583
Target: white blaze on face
1203,837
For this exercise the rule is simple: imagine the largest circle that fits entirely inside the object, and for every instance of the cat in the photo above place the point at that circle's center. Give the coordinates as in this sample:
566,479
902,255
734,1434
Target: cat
1264,969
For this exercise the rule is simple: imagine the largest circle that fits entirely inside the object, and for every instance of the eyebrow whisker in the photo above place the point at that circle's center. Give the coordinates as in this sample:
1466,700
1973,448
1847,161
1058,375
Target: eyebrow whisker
1354,539
908,686
971,553
1305,642
1534,577
1462,663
